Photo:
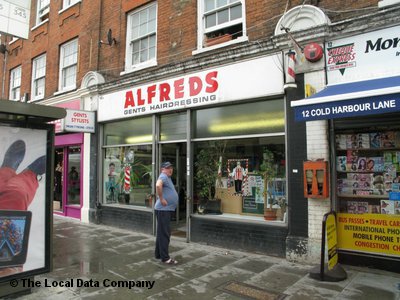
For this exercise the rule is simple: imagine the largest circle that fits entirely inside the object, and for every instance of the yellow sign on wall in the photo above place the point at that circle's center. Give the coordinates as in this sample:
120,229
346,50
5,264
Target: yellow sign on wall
370,233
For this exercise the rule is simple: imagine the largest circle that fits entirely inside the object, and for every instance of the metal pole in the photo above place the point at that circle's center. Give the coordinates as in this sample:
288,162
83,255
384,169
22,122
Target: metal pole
189,167
154,167
178,180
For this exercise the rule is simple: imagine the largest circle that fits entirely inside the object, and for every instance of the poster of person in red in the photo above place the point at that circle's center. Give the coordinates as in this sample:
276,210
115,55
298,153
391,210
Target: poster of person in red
22,199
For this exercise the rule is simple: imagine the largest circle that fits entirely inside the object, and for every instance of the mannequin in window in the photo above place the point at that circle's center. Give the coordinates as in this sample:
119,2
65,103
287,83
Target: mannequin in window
238,173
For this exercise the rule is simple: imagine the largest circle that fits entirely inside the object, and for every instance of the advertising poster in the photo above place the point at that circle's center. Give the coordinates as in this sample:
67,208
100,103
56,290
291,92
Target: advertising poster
369,233
331,238
364,56
22,200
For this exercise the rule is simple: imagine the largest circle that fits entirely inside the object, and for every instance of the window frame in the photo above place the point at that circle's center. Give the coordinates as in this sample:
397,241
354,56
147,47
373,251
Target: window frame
13,79
35,79
40,15
69,3
203,31
61,86
129,64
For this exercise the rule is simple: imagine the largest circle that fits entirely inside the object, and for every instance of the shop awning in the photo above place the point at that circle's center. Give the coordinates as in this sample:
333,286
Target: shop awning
369,97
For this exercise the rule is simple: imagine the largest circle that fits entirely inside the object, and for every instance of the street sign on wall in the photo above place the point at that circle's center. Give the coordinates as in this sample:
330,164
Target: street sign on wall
79,121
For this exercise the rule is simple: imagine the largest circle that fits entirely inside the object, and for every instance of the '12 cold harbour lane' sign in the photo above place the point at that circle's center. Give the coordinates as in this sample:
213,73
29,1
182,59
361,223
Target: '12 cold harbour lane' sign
349,108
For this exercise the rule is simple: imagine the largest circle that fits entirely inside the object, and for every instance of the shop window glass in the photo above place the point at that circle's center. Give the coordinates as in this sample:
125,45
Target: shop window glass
368,173
242,119
134,131
242,177
173,127
127,175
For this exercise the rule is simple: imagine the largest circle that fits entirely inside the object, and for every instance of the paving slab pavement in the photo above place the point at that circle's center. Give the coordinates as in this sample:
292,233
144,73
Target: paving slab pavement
99,262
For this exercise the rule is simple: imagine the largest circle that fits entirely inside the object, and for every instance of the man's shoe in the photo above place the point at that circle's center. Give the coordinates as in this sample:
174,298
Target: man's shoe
38,166
14,155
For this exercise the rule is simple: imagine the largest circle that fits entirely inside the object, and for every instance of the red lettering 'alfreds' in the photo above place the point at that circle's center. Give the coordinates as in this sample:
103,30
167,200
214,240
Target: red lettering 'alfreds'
196,85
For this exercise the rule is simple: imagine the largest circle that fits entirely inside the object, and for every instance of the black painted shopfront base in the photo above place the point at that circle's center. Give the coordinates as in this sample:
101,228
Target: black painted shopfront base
370,261
252,236
127,218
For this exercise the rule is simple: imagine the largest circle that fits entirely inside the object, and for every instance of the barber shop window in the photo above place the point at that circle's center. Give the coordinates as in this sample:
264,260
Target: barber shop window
239,161
127,163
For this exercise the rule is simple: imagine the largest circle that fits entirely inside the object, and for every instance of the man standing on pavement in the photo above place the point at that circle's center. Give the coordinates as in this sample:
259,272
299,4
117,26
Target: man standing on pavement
167,200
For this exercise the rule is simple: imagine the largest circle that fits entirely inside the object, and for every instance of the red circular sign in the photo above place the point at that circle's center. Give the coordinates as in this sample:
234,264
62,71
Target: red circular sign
313,52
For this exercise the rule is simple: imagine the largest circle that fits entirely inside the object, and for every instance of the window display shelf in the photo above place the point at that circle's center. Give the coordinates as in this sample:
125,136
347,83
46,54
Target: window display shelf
370,149
375,197
367,169
361,172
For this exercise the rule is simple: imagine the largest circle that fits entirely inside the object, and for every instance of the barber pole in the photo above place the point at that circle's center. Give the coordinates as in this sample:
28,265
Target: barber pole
245,185
290,73
127,180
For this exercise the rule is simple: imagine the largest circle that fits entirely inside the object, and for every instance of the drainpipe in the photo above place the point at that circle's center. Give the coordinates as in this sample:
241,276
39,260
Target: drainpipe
4,75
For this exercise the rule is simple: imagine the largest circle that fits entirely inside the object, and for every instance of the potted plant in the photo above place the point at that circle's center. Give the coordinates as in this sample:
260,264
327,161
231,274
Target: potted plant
268,171
217,39
206,174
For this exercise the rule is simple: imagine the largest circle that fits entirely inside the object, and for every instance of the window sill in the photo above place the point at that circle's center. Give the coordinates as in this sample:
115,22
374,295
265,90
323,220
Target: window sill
231,42
131,207
68,7
225,217
66,90
13,41
35,100
136,68
40,24
386,3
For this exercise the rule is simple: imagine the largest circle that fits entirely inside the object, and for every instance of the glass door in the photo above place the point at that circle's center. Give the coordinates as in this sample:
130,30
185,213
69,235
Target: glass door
67,181
58,180
68,174
74,176
175,153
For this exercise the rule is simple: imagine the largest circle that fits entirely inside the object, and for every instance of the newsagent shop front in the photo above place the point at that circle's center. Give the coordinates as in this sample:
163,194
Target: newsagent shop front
364,124
223,129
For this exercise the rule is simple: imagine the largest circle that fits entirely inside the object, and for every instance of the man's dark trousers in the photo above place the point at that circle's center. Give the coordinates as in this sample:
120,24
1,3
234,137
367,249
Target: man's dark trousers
163,234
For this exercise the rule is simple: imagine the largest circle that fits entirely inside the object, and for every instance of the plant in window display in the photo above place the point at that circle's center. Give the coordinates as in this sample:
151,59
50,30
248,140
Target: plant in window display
208,175
268,170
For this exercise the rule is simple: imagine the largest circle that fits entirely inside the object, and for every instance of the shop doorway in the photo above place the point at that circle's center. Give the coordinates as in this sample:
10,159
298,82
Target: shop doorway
58,180
67,181
176,154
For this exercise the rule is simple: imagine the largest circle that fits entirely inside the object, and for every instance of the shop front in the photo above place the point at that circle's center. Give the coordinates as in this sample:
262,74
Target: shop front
223,129
69,161
362,104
